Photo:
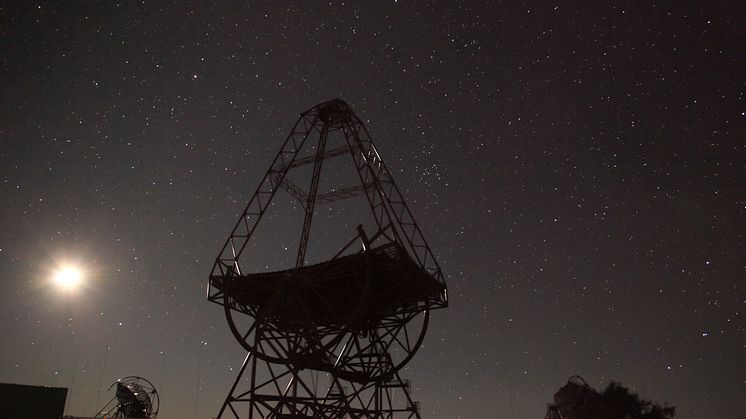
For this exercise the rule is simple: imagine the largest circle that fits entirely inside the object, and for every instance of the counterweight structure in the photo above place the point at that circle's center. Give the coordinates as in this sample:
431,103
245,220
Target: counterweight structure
326,335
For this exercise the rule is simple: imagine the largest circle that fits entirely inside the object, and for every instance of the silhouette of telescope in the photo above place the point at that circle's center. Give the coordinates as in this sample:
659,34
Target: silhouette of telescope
134,401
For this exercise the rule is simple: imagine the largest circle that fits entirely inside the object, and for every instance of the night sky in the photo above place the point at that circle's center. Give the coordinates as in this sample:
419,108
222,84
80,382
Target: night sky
579,171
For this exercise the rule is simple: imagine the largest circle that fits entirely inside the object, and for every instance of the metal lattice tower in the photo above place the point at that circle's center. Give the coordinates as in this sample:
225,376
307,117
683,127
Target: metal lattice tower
327,335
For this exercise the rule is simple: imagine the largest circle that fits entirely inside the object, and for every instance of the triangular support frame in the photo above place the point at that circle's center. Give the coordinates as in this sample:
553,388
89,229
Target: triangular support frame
392,215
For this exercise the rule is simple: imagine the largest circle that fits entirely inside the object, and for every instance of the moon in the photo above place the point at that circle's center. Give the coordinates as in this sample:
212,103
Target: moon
68,277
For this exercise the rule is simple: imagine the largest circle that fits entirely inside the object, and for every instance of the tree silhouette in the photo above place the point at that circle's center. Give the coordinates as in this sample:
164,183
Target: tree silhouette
578,400
617,402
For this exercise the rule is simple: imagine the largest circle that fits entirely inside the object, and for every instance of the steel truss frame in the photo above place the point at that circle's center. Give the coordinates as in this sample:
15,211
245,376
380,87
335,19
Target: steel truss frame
284,391
392,215
364,379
